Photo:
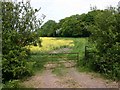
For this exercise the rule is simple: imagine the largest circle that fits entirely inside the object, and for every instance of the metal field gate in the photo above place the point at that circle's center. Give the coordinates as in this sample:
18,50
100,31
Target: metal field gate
51,60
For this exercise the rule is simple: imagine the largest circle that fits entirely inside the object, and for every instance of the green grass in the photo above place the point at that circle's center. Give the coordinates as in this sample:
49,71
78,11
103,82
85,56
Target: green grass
79,46
37,63
60,70
39,59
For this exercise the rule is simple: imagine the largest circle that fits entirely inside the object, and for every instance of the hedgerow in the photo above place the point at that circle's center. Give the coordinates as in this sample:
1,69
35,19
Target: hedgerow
19,26
106,38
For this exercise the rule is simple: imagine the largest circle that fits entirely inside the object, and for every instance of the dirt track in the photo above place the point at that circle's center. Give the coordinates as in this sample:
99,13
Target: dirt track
72,79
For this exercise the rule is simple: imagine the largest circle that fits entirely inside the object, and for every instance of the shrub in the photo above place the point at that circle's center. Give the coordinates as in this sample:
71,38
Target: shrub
12,84
105,36
19,28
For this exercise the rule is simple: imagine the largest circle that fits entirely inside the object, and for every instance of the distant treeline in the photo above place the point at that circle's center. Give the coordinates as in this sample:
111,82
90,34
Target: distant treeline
73,26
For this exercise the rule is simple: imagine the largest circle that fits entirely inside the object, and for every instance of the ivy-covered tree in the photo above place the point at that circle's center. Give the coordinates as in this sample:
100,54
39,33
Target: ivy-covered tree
19,28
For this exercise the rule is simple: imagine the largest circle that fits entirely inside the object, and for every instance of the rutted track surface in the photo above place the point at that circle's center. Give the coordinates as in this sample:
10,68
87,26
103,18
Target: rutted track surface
72,79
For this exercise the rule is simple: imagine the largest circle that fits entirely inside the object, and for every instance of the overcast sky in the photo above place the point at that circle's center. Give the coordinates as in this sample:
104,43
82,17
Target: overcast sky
59,9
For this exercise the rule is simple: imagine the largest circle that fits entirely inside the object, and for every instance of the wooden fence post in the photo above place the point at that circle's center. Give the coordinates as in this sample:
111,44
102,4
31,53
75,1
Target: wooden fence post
86,53
78,56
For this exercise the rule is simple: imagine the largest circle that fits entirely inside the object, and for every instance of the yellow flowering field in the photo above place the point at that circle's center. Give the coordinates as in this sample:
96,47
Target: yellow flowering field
50,43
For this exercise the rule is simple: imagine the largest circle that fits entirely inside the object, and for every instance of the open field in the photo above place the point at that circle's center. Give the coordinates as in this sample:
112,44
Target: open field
51,43
59,46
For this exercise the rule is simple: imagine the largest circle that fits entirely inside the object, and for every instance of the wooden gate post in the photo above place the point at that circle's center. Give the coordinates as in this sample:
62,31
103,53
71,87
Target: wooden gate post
85,56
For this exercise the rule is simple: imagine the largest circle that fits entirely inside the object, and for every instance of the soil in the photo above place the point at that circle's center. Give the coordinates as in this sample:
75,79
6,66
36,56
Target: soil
71,79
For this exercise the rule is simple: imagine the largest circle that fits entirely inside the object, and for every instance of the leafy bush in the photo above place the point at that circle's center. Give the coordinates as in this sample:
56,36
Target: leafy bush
14,65
12,84
106,37
19,25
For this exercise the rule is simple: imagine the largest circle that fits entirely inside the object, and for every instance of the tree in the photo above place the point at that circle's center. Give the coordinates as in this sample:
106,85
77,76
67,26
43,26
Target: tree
73,26
48,29
19,28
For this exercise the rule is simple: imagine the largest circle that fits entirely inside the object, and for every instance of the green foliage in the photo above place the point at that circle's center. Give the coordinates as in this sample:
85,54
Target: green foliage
77,25
12,84
105,37
73,26
19,28
37,62
48,29
60,70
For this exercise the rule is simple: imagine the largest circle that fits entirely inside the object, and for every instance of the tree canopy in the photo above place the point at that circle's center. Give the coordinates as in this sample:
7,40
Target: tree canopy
48,29
73,26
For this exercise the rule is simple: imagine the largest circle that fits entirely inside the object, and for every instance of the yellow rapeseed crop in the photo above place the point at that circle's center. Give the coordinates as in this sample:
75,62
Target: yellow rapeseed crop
50,43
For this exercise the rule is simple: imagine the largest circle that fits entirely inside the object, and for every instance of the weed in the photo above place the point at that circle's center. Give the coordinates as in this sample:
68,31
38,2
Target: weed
60,70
